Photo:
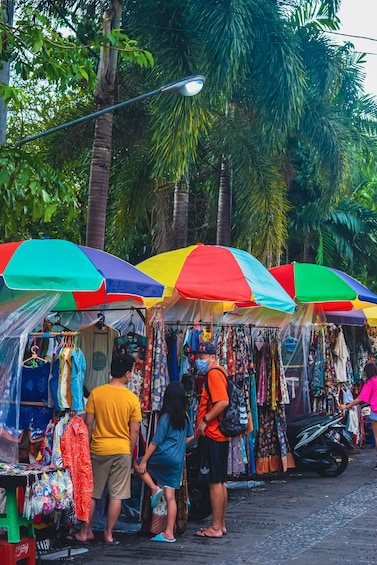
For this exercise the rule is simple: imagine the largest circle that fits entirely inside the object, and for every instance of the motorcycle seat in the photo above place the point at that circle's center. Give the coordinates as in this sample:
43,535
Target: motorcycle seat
294,427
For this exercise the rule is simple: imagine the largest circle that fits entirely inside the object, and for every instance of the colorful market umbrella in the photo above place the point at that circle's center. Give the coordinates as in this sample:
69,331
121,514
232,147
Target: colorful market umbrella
216,274
354,317
84,277
328,288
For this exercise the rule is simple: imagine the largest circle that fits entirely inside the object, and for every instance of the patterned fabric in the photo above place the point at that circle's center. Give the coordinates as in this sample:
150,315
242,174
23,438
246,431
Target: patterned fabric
45,454
236,464
135,383
262,381
230,358
253,403
330,375
181,496
268,452
242,357
274,391
160,371
284,395
34,419
146,398
287,460
76,456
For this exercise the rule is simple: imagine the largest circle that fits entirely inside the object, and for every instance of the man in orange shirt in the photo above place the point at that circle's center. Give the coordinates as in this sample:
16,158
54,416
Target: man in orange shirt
113,418
213,446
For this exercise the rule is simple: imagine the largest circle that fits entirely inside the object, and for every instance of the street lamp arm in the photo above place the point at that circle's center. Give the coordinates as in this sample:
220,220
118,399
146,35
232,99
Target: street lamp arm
188,86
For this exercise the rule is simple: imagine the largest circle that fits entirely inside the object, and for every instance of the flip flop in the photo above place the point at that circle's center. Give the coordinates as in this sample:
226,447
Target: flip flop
156,498
160,537
202,534
72,538
113,542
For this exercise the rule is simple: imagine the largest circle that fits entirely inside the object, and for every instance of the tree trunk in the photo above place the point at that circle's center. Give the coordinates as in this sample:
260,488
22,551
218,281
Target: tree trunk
224,210
180,215
162,232
7,13
105,95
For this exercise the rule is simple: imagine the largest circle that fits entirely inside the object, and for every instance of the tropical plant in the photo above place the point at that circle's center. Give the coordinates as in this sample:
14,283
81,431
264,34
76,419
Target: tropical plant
37,49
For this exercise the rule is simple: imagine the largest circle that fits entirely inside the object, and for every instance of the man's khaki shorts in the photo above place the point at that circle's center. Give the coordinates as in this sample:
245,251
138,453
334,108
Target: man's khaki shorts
115,470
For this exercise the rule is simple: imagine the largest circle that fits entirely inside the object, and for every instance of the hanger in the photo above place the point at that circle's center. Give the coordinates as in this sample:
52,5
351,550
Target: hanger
34,358
100,321
58,322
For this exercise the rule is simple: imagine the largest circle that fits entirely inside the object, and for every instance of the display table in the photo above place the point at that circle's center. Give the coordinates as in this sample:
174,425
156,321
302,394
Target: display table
12,477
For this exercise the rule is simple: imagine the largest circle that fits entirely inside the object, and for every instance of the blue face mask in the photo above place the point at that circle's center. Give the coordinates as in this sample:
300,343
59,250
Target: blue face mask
201,365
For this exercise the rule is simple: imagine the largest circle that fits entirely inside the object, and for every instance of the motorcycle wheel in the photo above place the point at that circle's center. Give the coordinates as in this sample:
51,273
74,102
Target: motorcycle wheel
338,461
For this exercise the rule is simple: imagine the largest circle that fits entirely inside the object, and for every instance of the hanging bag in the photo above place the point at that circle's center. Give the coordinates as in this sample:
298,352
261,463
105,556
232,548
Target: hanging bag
159,517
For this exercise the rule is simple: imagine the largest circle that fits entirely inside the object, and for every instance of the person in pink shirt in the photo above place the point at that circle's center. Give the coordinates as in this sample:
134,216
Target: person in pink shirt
368,395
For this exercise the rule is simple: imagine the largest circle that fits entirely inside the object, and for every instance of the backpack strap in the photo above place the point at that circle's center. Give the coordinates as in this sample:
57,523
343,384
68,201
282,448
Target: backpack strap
206,382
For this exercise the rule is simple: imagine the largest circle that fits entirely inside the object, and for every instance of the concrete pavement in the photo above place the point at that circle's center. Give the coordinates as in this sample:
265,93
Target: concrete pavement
292,519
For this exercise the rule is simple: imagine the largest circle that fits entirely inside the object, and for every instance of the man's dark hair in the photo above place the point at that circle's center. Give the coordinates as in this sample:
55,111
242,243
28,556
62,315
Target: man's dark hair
120,364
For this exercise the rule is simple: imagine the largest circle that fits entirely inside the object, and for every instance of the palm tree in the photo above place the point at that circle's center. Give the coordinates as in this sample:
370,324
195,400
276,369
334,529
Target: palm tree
105,95
223,43
337,130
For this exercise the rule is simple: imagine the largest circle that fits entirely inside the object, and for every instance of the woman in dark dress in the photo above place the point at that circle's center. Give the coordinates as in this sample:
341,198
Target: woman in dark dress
162,465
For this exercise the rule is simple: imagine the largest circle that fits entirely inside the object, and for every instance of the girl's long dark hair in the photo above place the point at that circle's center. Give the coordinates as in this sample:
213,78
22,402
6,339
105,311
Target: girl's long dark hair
174,405
370,371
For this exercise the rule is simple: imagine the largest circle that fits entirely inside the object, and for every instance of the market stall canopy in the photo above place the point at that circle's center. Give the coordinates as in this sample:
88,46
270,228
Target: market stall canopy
82,276
217,274
328,288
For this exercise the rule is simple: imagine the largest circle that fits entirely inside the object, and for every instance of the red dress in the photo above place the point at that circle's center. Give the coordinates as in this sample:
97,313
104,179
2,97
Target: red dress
74,447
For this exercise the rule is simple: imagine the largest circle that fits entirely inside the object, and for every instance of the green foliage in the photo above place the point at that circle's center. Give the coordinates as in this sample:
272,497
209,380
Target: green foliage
38,51
30,192
301,134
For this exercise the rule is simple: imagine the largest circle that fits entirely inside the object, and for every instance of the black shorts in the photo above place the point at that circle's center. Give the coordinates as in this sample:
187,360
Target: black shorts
213,460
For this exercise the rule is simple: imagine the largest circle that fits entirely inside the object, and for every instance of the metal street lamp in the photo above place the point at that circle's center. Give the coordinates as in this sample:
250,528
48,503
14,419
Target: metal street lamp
188,86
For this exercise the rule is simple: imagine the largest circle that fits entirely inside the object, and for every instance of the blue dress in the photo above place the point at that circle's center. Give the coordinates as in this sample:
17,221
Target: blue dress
166,462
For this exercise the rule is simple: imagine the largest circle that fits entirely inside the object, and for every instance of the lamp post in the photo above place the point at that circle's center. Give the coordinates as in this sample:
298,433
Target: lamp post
100,166
189,86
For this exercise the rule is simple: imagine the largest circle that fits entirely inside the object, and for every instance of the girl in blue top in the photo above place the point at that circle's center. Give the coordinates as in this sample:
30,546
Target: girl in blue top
162,464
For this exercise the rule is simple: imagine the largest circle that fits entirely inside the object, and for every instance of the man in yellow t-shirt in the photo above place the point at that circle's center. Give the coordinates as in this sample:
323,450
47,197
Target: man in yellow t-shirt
113,418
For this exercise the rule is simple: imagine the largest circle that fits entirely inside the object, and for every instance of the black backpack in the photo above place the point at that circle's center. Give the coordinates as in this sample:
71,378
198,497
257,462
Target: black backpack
234,421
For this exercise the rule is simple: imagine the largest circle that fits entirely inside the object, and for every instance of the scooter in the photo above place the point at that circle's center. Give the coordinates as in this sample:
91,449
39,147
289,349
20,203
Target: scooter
315,445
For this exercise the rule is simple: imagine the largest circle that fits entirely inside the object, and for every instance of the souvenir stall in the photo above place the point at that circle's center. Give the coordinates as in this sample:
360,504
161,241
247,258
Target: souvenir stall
231,276
252,357
333,352
42,373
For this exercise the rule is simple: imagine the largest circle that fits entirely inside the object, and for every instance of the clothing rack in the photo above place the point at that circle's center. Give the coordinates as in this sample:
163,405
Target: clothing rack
138,310
47,335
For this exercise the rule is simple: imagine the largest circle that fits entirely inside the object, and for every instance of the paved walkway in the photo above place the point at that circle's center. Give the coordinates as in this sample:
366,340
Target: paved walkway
294,519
